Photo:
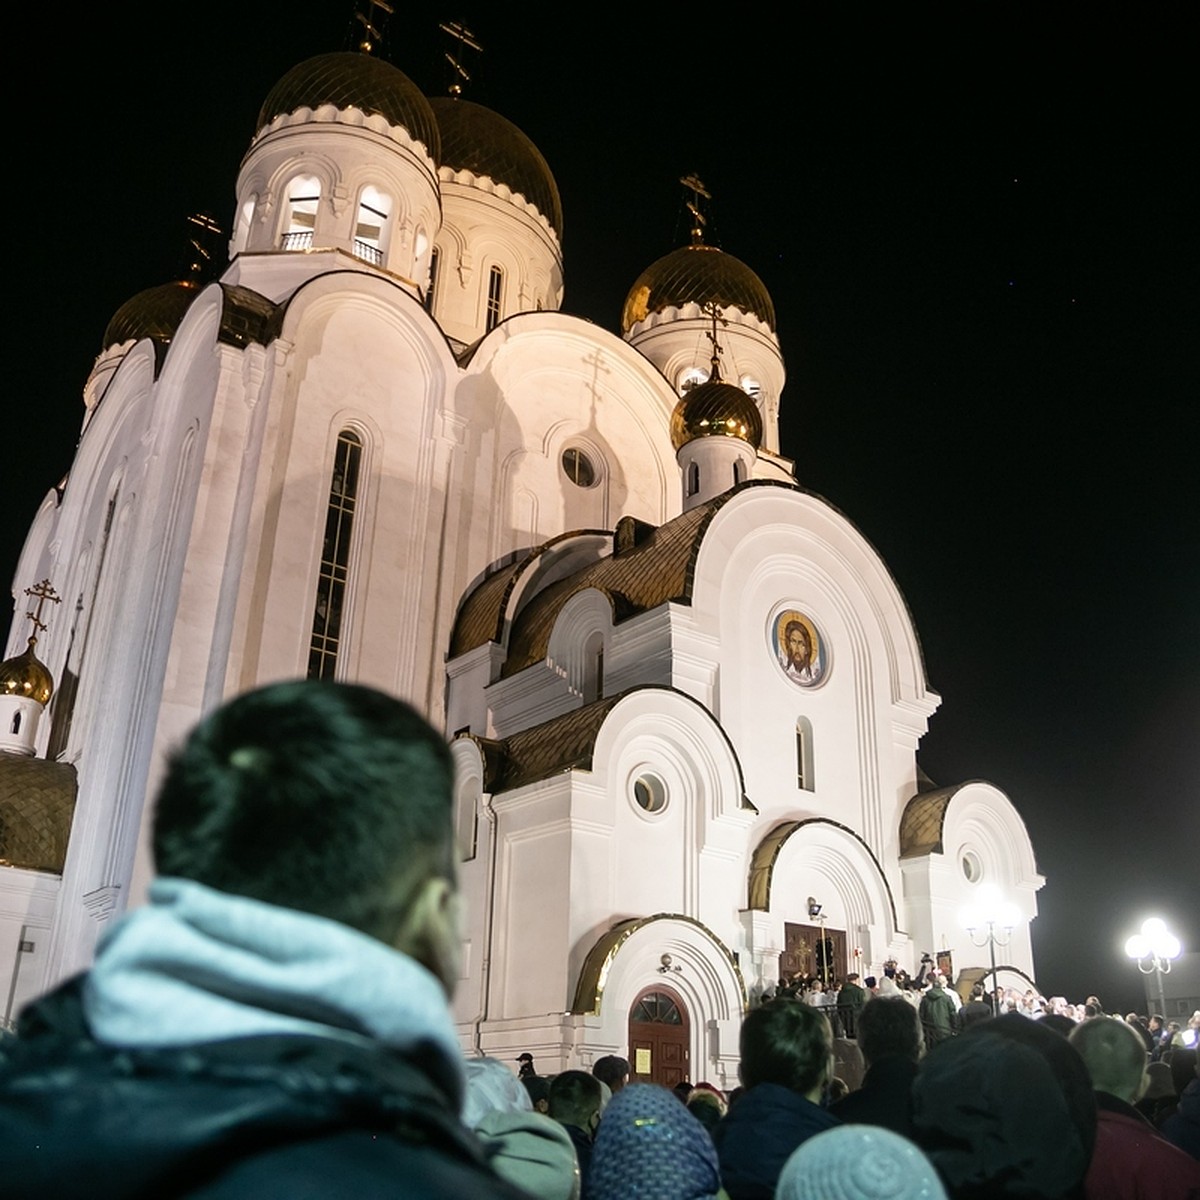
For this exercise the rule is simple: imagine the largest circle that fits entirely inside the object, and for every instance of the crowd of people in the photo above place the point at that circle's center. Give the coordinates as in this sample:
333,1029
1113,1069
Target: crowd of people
274,1023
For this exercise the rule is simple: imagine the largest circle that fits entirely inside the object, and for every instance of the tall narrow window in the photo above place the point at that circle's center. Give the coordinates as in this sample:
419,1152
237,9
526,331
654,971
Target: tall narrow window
371,227
495,294
433,272
804,754
335,557
303,197
693,478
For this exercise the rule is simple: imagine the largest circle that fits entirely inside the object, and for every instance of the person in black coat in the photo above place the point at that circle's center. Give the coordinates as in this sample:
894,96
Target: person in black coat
891,1041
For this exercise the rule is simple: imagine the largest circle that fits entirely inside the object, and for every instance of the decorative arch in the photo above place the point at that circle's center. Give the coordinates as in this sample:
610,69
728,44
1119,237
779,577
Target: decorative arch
626,960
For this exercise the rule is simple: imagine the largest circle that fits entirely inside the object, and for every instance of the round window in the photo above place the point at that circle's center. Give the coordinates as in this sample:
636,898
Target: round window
649,793
972,868
578,467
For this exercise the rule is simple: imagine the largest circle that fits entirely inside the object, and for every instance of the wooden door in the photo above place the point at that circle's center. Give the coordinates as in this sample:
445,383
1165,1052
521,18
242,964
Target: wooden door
659,1038
813,952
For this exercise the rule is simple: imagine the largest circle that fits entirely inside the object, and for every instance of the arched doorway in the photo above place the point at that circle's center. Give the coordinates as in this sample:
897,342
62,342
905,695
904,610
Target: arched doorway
659,1038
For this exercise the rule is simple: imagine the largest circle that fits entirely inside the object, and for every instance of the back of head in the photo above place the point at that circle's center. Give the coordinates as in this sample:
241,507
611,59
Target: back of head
575,1098
890,1025
650,1147
1114,1055
786,1043
328,798
1006,1109
613,1070
858,1162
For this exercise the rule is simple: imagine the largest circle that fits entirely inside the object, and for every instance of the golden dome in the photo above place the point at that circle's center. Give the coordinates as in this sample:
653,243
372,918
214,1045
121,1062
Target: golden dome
716,409
26,675
347,79
483,142
697,274
154,313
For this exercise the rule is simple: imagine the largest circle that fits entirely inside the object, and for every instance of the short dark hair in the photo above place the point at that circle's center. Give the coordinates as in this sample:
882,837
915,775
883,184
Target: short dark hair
329,798
574,1097
611,1069
889,1025
785,1042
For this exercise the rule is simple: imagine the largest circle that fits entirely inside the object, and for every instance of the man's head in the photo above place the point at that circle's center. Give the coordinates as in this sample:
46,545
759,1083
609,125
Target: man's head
797,643
852,977
328,798
789,1044
575,1099
890,1025
613,1070
1114,1054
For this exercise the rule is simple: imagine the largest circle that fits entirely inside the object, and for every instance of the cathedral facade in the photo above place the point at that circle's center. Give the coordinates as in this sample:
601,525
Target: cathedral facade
684,694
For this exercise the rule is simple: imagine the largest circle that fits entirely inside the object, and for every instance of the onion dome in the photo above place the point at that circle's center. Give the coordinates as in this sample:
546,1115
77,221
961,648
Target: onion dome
155,313
716,409
347,79
697,274
27,676
483,142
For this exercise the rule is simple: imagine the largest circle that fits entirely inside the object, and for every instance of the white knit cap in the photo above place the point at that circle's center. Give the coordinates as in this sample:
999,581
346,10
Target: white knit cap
858,1162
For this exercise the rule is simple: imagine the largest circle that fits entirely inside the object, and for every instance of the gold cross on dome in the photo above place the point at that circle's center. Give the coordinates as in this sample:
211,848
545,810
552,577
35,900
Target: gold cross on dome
695,185
42,592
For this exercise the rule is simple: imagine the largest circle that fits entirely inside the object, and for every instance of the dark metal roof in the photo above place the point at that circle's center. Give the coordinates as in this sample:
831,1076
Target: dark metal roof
695,275
483,142
351,80
155,313
37,802
922,822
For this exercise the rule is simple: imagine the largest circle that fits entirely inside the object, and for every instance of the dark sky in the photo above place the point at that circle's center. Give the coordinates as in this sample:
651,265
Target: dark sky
979,230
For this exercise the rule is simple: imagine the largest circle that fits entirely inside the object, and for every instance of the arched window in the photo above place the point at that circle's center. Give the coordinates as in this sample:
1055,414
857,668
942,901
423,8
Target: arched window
433,274
304,195
693,478
804,754
495,296
738,473
370,230
335,557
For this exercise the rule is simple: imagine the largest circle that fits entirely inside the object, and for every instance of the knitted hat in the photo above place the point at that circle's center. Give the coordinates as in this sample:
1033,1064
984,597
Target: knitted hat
1159,1085
649,1147
858,1162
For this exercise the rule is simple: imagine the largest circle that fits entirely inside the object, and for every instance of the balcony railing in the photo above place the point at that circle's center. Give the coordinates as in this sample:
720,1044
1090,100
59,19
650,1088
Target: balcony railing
368,253
300,240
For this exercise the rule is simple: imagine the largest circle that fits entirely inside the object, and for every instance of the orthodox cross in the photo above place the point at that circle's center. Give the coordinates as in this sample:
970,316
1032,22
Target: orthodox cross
42,592
712,310
466,40
372,24
694,185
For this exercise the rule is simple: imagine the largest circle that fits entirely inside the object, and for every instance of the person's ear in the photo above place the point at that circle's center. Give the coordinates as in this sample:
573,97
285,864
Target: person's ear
432,930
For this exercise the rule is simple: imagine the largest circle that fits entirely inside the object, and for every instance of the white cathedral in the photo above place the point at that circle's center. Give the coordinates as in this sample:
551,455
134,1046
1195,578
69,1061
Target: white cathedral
684,694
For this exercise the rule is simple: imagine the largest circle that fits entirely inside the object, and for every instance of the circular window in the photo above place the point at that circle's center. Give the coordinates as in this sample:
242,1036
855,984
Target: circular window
750,385
972,868
689,378
578,467
649,793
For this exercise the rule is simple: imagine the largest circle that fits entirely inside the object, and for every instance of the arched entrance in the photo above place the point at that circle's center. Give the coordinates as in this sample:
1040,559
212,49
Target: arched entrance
659,1038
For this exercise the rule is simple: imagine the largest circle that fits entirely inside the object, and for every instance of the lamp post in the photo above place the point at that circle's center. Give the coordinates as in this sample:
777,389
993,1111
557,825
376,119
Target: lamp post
1152,950
993,914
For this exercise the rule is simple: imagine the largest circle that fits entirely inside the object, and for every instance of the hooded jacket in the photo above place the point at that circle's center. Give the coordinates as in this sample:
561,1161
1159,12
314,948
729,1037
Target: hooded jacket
225,1048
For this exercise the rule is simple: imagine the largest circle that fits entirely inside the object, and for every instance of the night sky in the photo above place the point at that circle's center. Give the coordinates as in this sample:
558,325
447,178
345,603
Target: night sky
979,231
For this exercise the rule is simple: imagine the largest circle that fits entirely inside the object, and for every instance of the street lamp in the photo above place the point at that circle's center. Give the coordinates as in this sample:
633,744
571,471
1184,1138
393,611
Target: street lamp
996,913
1152,950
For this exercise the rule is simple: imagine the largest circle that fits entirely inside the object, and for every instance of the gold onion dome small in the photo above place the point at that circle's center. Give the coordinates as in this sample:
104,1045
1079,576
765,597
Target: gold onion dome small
26,675
348,79
697,274
155,313
716,409
481,141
